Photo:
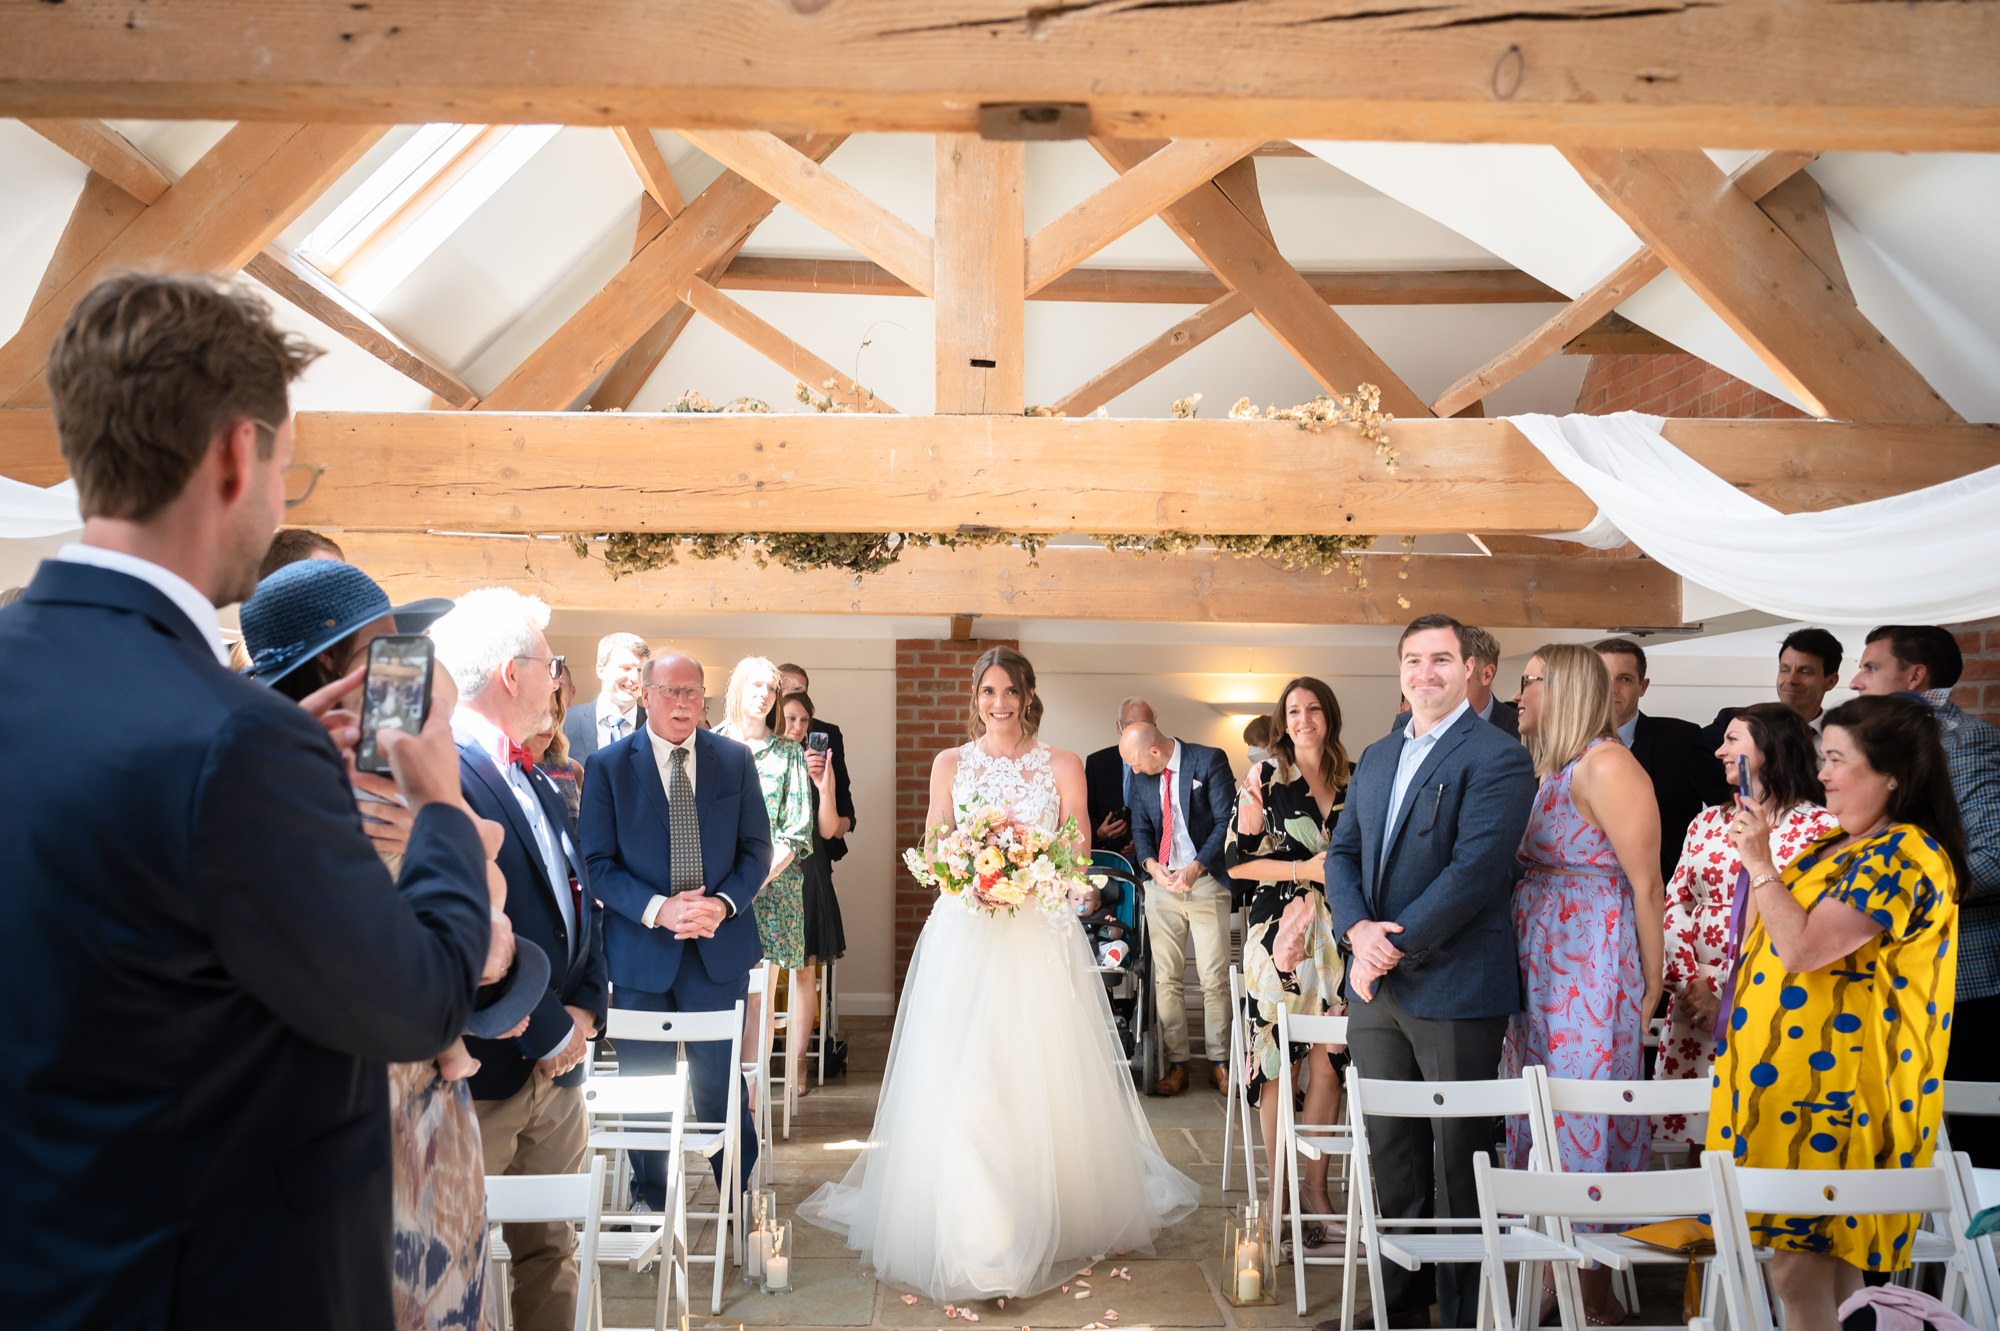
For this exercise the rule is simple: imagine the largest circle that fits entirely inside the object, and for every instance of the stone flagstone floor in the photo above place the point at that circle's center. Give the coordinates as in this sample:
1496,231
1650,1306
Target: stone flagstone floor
1176,1286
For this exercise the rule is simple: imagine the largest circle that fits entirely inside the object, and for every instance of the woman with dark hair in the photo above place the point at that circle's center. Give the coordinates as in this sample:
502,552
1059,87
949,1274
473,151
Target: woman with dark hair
826,939
1840,1018
1706,896
1009,1149
1285,815
550,750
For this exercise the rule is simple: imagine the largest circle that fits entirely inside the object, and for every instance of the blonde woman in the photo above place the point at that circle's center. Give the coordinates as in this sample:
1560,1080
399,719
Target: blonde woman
750,711
1589,919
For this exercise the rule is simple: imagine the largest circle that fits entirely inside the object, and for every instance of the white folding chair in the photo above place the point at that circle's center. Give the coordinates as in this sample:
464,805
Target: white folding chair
773,1024
1511,1201
1239,1057
1852,1192
1637,1099
551,1198
702,1139
1388,1236
1310,1141
1982,1189
612,1104
1969,1099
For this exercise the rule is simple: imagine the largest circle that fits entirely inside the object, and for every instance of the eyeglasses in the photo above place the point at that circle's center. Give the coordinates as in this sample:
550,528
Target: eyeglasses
555,662
300,478
1526,680
688,693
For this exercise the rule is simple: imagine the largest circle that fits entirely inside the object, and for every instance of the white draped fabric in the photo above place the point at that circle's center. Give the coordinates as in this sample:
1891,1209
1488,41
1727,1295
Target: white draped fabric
29,511
1931,556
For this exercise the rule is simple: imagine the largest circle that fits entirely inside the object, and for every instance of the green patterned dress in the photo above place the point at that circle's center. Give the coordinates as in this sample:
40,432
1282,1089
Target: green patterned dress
780,907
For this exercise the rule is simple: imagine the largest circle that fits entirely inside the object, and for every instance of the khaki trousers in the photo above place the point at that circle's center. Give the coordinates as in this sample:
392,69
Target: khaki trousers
1172,918
540,1129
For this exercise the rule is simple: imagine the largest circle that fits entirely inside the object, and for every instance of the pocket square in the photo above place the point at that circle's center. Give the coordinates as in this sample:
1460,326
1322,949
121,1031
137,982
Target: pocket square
1197,783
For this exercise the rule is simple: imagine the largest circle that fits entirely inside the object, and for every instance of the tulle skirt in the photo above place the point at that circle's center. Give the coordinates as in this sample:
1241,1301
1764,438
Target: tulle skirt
1009,1149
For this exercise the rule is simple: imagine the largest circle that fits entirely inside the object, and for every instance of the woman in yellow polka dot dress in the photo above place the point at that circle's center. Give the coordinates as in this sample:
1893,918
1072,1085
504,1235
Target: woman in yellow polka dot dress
1840,1012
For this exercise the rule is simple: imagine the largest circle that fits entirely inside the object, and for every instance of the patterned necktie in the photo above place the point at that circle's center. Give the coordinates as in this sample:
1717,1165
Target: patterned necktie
684,828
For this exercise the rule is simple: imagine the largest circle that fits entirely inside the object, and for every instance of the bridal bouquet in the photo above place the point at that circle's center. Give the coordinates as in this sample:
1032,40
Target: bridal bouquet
994,862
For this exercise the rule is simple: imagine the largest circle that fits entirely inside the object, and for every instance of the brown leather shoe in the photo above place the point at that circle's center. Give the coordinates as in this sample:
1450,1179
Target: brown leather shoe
1219,1075
1174,1082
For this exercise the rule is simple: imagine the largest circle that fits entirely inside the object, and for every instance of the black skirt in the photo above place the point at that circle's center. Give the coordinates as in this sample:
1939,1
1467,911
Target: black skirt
826,939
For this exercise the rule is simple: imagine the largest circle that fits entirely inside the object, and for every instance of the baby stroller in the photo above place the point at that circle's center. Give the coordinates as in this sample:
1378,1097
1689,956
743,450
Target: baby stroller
1116,935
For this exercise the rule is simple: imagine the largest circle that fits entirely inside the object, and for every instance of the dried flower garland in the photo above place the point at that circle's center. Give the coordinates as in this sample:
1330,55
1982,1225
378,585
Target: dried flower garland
859,554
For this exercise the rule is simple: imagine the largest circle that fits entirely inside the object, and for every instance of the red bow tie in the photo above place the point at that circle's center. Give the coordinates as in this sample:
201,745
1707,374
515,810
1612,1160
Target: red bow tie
517,754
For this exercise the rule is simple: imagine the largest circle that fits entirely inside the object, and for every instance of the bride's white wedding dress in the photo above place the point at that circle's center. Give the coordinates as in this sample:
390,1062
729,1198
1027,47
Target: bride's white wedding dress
1009,1148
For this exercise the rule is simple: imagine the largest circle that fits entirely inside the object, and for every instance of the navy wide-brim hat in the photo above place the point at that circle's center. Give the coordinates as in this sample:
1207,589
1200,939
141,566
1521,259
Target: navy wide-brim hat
524,988
303,609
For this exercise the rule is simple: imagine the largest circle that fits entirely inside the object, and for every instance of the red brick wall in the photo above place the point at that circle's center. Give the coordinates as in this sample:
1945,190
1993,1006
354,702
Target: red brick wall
933,700
1978,690
1673,386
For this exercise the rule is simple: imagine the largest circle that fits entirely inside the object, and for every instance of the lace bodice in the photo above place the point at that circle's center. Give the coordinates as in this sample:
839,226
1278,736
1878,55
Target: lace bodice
1024,784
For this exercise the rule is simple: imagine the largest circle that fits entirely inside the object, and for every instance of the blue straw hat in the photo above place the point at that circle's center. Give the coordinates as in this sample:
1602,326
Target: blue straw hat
303,609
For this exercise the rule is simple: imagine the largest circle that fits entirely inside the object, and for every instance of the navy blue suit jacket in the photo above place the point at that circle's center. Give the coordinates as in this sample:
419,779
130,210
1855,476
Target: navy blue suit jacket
204,968
1449,879
627,843
576,970
1209,809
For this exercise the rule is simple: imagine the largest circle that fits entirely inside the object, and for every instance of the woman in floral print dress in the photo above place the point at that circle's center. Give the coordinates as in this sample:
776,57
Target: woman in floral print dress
1701,898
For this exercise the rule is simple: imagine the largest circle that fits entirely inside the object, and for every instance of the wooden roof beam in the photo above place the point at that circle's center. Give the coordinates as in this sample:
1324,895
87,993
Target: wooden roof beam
1155,356
651,166
775,347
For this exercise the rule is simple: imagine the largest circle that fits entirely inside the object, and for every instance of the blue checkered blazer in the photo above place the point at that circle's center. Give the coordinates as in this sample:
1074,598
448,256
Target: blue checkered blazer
1972,748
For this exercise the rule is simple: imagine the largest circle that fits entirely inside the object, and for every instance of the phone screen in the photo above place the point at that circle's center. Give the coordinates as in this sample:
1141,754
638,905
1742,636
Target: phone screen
1743,777
395,696
818,741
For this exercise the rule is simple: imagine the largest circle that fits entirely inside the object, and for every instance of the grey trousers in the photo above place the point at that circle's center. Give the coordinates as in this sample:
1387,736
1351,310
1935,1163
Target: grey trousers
1420,1164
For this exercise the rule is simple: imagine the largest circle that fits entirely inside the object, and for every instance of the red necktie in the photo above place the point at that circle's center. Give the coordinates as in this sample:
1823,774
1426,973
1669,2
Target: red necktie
520,756
1166,817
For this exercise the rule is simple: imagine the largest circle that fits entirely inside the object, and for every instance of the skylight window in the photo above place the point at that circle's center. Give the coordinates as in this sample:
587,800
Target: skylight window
414,201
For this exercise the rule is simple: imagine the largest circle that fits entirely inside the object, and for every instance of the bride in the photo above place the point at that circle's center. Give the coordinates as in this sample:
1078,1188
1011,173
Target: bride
1009,1149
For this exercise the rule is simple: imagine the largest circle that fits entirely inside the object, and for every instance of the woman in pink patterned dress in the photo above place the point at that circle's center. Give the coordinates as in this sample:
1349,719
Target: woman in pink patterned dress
1701,939
1587,919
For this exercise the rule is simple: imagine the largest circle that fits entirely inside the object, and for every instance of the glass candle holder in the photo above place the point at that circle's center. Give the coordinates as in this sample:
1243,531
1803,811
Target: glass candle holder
1249,1271
778,1258
757,1248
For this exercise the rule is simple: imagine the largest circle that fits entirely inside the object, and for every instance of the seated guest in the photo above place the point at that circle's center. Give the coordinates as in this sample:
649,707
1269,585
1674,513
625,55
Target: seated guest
1684,772
1588,920
678,840
618,710
826,938
528,1088
208,964
1286,813
1817,1071
1926,659
1108,784
1707,896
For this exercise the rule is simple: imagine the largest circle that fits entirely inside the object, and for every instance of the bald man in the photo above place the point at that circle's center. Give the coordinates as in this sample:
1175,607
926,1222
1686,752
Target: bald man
1182,798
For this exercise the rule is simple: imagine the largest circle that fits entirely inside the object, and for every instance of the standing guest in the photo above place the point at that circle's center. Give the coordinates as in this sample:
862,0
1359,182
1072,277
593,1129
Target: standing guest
1808,667
750,717
293,544
1257,738
205,964
1182,797
792,678
1925,659
1820,1072
826,938
549,747
1482,649
1587,921
678,843
1709,891
1420,878
1685,775
1108,782
1285,816
528,1088
619,709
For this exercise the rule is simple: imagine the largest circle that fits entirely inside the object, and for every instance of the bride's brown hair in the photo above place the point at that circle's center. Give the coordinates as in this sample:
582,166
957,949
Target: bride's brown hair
1023,676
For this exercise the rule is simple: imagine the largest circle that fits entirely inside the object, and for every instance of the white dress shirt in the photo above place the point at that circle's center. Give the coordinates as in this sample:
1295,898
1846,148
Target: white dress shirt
1415,750
613,724
1181,852
198,608
663,758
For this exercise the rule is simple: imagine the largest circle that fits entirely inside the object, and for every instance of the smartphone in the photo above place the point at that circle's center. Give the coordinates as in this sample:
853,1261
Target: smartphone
395,695
1743,777
818,741
1122,815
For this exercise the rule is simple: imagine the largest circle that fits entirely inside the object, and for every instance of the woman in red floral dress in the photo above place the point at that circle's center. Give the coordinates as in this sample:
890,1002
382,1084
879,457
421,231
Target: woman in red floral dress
1701,943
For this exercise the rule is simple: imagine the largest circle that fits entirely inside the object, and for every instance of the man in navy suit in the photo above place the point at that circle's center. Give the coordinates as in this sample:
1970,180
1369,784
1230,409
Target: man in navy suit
1182,798
618,710
527,1090
678,842
1419,878
204,965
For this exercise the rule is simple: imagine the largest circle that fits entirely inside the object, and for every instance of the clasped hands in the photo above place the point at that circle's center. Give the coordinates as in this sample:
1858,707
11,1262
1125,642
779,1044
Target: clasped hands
691,914
1178,881
1374,955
